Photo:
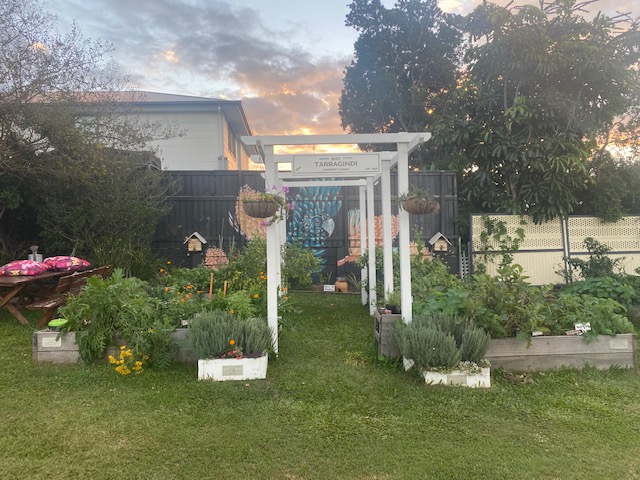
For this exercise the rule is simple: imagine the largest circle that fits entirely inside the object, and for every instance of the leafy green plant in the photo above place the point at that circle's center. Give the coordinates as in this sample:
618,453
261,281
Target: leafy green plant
603,287
117,305
299,265
598,264
240,304
214,334
496,241
606,316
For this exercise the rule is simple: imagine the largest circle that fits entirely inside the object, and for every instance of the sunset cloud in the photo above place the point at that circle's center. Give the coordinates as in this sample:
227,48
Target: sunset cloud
288,73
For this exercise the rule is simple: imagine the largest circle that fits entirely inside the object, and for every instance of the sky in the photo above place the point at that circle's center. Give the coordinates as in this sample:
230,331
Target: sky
283,58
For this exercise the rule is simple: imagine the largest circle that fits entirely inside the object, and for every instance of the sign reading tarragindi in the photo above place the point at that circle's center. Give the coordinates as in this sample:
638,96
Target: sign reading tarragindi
339,165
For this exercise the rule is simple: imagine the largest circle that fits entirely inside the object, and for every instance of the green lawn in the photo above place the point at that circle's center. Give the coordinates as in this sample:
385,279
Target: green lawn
328,410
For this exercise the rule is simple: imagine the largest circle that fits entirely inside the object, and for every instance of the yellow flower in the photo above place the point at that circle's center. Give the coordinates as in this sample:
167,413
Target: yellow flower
150,330
112,359
162,270
255,295
166,289
169,263
231,311
232,342
122,347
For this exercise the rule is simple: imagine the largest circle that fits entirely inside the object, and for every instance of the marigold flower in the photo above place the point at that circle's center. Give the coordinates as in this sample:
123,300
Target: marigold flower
255,295
166,289
112,359
231,311
169,262
182,300
162,270
232,342
122,347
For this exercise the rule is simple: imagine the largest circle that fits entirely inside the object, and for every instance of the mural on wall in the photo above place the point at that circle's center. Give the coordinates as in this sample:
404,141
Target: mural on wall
312,219
355,249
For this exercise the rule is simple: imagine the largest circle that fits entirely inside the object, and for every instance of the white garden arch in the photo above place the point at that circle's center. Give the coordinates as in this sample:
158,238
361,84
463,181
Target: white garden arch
342,169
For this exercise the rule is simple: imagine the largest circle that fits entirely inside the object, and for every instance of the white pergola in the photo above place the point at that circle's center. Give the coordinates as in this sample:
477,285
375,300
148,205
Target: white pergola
343,169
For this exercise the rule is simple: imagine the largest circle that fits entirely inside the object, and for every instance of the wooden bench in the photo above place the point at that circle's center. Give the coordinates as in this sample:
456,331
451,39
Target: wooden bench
67,285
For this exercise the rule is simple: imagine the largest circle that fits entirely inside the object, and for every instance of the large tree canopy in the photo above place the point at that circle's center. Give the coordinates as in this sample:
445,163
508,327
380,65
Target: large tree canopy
541,85
67,147
402,56
540,92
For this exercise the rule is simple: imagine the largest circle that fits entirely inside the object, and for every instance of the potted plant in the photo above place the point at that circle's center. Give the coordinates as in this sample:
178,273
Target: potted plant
271,204
418,202
445,349
393,301
229,348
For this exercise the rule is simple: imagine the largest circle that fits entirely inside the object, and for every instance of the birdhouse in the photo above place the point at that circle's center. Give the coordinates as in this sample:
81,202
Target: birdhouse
195,242
439,243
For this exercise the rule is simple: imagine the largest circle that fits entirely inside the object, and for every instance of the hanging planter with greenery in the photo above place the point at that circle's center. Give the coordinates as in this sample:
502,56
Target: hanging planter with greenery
269,204
418,202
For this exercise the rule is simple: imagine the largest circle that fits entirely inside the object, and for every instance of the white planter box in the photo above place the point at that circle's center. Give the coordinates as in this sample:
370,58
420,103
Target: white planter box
481,379
220,369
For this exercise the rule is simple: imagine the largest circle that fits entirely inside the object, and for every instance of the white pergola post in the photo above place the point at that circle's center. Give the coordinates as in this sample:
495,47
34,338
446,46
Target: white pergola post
371,237
387,249
404,234
362,190
273,251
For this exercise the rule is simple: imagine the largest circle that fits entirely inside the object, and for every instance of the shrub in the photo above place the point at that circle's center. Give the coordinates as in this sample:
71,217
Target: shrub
118,304
441,341
598,264
214,334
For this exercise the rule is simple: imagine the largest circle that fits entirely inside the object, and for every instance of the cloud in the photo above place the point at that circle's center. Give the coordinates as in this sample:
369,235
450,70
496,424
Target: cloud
215,48
218,49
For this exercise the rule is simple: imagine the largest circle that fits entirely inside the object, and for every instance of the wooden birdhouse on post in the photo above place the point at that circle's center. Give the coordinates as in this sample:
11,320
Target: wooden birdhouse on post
195,245
439,243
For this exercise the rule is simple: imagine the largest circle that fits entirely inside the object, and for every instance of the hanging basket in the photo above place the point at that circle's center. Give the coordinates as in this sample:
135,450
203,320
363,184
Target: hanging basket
260,208
421,205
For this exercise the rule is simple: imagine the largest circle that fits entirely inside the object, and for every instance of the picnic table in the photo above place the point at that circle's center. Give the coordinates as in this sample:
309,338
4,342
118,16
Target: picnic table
12,286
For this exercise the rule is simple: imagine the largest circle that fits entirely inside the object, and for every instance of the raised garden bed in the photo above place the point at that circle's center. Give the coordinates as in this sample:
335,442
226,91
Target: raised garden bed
383,327
548,353
47,347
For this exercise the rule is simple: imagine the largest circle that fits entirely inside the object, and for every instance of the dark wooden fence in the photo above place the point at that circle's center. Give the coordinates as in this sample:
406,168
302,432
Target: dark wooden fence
206,203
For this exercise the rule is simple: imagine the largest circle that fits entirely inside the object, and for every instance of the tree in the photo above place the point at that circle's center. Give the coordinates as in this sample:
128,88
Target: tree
64,141
402,56
540,87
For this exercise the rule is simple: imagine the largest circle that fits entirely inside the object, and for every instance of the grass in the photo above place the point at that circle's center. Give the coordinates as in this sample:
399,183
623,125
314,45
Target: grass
328,410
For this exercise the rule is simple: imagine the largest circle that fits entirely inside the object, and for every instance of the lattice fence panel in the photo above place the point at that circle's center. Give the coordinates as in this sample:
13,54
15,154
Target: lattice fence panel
540,267
547,236
541,252
621,236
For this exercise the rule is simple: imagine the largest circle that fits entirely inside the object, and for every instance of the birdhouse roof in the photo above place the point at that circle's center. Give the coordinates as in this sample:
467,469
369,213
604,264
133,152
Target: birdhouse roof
438,236
195,235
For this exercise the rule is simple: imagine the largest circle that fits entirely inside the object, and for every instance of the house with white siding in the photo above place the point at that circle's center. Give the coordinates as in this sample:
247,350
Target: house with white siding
210,130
